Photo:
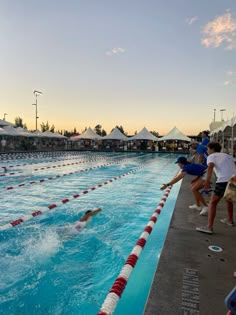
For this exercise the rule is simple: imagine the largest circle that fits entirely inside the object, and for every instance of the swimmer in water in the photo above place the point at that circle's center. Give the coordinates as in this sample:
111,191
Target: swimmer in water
73,228
84,220
4,169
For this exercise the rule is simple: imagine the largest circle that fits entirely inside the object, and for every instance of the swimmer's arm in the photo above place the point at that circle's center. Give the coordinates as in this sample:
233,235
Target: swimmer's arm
95,211
90,214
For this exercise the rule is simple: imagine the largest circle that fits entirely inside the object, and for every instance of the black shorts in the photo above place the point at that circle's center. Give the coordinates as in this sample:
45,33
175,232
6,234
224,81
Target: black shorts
220,189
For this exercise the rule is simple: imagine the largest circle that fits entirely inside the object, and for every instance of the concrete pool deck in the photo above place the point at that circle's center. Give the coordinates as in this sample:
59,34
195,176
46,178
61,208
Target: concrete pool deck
190,278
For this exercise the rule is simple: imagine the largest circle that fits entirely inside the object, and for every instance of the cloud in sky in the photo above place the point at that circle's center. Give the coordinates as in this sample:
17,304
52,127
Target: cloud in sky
220,31
115,51
229,77
191,20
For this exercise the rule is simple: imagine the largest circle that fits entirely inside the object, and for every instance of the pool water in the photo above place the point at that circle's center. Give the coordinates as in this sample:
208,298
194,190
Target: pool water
44,271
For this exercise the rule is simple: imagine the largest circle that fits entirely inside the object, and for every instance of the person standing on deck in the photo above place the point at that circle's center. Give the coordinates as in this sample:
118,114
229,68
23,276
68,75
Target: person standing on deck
224,167
196,184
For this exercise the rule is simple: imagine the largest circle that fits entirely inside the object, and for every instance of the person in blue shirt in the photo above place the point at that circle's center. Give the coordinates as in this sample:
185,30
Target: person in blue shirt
202,148
205,139
202,154
197,183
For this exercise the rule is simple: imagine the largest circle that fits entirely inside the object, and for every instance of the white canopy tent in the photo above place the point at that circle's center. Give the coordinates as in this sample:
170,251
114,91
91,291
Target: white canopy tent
88,134
59,136
23,132
175,134
3,132
10,131
116,134
38,133
5,123
144,134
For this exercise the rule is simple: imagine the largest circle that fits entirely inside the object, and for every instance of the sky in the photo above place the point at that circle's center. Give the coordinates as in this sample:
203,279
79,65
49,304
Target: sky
132,63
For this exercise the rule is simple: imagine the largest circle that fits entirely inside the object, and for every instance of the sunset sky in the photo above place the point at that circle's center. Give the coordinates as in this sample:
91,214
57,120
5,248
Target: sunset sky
131,63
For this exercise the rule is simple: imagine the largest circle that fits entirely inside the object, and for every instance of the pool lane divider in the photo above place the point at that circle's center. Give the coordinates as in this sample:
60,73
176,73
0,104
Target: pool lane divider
27,156
54,166
63,201
63,159
52,161
92,159
58,176
114,295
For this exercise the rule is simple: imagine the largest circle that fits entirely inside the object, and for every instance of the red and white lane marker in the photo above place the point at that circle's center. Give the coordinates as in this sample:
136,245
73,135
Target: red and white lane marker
54,166
63,175
53,161
54,205
110,303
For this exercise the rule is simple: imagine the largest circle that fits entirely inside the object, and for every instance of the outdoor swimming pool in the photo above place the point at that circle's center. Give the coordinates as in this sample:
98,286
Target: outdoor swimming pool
44,272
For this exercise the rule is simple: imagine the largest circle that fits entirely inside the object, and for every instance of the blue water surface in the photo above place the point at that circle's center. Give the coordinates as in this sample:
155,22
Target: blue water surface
46,271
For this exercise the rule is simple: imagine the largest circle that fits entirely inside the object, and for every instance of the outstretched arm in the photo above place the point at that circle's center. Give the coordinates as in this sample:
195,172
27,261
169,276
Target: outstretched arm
95,211
174,180
90,214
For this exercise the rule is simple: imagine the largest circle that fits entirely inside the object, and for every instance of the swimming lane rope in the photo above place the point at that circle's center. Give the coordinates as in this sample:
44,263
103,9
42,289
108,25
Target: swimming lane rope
54,205
63,175
54,166
52,161
110,303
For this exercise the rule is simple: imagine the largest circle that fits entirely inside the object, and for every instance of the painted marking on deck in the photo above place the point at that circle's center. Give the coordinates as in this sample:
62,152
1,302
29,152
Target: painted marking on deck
190,292
215,248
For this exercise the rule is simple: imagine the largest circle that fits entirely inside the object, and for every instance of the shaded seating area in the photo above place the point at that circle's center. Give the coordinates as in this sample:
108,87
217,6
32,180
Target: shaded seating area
226,136
19,139
174,140
88,140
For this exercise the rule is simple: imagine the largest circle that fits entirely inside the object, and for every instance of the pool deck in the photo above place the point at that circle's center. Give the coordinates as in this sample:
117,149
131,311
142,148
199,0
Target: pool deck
190,278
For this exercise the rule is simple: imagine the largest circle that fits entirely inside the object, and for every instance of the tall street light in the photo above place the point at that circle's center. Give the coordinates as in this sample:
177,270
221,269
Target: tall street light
36,93
222,110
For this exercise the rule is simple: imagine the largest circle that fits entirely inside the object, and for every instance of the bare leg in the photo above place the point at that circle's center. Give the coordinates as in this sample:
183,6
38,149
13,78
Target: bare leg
195,187
230,209
212,212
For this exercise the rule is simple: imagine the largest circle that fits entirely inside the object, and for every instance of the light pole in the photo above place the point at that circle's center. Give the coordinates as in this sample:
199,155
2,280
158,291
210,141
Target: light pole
36,93
5,114
222,110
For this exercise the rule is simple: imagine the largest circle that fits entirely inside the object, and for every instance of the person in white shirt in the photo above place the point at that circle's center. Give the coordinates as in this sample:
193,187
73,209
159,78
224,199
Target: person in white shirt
224,167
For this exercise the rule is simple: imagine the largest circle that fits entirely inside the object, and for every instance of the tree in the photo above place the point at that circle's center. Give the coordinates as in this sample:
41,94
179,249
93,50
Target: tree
103,133
121,130
19,122
52,129
98,130
44,127
155,133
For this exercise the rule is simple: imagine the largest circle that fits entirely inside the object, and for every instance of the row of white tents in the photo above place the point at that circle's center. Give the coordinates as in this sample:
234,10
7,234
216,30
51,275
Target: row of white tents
21,132
144,134
7,129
